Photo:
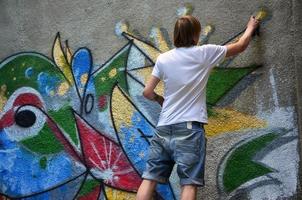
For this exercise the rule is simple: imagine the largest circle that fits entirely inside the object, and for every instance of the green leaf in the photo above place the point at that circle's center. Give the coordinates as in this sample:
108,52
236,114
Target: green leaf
240,167
65,119
222,80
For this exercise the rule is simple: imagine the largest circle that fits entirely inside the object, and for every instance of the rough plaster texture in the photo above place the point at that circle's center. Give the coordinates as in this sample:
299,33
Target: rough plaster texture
32,25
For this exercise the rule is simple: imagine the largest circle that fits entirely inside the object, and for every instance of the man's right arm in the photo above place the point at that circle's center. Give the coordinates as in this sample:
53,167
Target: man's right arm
239,46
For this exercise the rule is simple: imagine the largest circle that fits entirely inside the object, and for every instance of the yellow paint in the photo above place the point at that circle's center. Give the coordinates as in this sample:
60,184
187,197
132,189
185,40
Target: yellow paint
187,9
124,27
227,120
114,194
122,109
261,15
207,30
63,88
68,53
149,50
3,98
112,73
60,60
84,79
159,39
145,73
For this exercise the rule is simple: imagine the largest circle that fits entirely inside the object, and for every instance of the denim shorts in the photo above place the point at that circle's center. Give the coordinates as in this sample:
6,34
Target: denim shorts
183,144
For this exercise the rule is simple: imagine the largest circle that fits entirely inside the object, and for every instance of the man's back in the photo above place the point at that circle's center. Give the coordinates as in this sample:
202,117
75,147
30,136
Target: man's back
185,72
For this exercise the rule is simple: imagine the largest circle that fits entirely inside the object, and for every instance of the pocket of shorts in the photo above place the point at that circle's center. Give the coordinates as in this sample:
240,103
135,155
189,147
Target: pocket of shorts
187,152
155,147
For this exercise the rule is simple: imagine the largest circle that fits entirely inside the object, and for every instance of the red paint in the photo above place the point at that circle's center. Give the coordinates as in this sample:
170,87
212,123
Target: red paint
102,101
106,156
7,119
28,98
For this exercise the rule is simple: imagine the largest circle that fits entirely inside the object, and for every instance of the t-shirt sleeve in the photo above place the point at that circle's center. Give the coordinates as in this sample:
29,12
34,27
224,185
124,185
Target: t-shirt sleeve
214,54
156,69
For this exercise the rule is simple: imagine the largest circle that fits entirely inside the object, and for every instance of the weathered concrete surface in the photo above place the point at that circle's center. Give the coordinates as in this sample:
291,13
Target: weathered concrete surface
32,25
297,6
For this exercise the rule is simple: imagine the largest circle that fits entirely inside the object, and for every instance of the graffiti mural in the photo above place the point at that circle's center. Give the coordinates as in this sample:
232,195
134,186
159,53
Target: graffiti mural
73,130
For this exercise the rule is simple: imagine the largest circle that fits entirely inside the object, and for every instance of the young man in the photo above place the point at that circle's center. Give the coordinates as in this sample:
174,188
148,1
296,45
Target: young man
180,136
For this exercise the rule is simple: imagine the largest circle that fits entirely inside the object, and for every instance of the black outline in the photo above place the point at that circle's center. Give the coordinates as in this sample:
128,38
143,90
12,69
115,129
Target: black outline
68,50
76,195
88,79
144,136
138,81
128,36
86,103
81,97
126,66
101,191
52,56
88,173
119,51
134,69
124,34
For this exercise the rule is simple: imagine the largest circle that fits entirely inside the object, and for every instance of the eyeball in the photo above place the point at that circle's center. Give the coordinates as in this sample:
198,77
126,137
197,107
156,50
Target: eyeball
29,120
25,118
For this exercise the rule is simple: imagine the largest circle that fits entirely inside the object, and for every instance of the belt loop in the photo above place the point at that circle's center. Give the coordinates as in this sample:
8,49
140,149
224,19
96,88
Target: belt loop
189,125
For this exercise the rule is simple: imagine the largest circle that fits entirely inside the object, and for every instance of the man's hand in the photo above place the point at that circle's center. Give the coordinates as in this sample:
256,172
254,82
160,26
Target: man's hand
159,99
253,24
149,91
239,46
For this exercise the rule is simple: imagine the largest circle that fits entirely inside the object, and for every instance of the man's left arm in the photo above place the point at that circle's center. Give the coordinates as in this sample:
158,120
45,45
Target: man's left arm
149,91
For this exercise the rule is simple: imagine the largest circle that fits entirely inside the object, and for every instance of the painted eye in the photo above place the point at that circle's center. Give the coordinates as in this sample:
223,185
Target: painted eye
29,121
25,118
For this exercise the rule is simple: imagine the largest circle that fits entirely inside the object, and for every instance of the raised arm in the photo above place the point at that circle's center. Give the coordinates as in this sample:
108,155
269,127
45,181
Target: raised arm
239,46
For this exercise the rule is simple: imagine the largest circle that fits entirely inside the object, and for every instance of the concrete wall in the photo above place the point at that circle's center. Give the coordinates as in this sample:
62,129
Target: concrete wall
73,122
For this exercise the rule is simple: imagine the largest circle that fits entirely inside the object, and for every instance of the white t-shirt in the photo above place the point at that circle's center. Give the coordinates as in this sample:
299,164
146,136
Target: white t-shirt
185,72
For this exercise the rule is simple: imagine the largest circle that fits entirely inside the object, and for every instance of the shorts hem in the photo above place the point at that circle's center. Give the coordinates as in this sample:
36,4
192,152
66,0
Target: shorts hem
149,176
197,183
